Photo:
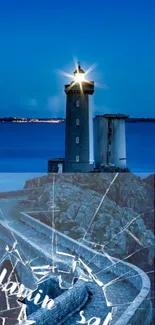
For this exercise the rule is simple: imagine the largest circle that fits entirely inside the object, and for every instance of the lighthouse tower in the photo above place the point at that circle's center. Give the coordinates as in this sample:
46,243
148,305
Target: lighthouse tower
79,152
110,140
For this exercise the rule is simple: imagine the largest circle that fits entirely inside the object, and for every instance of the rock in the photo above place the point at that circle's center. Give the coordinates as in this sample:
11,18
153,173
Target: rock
122,224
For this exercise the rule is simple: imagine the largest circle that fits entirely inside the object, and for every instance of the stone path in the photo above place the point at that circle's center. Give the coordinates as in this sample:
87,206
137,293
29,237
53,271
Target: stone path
120,293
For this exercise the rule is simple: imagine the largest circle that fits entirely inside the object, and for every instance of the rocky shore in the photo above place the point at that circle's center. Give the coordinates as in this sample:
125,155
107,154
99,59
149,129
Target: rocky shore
129,200
116,218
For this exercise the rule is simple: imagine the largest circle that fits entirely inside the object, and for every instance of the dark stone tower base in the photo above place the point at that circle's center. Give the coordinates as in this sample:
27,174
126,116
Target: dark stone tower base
78,167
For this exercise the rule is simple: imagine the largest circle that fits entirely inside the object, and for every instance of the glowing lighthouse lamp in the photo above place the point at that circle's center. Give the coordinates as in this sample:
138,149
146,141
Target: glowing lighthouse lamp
79,74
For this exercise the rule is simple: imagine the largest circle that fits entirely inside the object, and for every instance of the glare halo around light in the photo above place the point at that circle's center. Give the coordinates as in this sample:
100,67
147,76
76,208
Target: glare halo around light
79,77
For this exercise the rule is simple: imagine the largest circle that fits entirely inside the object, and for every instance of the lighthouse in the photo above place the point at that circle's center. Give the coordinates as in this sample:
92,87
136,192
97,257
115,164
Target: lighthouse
79,149
107,144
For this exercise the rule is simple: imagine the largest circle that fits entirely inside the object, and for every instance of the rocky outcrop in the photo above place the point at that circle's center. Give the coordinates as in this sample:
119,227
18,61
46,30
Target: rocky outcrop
122,225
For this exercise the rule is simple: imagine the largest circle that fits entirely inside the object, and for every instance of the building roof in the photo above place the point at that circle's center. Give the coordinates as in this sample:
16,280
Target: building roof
78,70
113,116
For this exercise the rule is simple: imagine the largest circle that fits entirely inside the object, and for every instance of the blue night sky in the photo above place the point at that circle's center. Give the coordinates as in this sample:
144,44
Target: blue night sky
38,38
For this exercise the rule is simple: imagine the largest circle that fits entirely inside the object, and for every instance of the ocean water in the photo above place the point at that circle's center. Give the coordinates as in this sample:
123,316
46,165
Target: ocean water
26,147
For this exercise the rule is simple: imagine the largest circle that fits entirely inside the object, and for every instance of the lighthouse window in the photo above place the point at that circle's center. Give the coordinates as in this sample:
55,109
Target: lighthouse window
77,103
77,139
77,121
77,158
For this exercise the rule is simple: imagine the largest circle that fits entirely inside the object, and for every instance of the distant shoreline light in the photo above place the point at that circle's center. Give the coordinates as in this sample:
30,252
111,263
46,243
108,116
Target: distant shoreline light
61,120
31,120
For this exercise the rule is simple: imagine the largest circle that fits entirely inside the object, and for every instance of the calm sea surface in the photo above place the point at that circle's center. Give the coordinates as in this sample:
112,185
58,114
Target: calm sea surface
26,147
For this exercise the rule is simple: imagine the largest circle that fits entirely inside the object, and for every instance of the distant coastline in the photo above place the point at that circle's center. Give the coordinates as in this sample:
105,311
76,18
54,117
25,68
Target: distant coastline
31,120
60,119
